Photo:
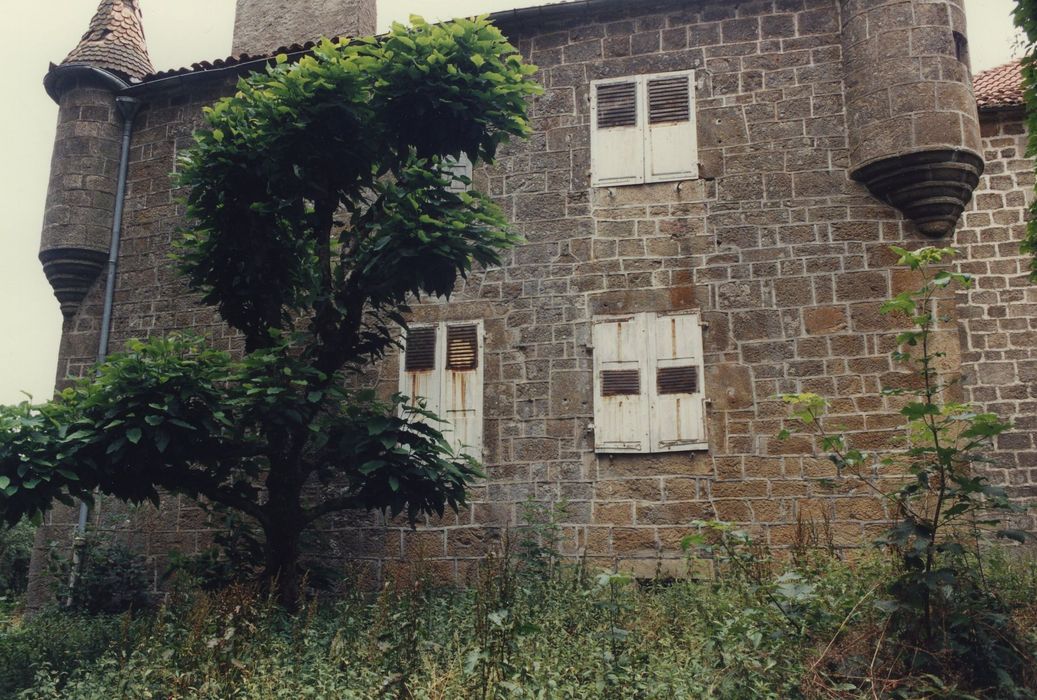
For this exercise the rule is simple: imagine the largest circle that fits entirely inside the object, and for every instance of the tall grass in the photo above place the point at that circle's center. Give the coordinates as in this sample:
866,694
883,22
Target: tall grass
804,626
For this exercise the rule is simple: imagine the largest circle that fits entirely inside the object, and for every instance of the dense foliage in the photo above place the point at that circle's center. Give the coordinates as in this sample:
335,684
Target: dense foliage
15,552
321,205
805,627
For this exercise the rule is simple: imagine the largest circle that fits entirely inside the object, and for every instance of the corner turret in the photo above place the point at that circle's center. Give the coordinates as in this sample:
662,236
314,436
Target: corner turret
912,121
77,225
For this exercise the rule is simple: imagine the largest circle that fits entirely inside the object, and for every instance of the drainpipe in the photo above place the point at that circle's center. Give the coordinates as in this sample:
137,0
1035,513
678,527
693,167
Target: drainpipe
128,107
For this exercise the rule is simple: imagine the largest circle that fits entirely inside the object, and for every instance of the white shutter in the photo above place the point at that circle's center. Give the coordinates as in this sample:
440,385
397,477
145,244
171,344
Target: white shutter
420,373
671,137
462,391
617,133
459,167
621,406
677,396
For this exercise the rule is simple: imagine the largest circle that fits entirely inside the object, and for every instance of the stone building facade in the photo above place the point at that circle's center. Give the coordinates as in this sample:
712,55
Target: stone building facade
998,316
824,132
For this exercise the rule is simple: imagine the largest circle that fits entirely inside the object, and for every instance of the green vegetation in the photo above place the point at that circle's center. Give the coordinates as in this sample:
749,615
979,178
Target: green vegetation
943,610
321,205
15,552
765,628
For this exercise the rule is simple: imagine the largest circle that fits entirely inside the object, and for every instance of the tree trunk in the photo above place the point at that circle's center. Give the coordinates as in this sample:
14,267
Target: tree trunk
282,573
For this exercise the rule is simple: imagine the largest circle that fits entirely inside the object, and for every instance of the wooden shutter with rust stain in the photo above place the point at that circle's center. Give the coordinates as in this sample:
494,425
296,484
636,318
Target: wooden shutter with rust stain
617,133
420,369
463,387
621,408
671,138
678,400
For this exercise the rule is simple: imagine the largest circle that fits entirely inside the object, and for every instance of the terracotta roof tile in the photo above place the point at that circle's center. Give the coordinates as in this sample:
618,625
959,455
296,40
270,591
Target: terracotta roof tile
999,87
115,41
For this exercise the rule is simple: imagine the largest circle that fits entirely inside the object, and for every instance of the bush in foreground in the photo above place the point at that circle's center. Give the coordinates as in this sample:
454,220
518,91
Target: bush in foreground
802,628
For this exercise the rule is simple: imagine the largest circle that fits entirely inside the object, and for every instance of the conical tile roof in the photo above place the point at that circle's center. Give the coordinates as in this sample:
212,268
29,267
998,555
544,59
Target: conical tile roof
115,41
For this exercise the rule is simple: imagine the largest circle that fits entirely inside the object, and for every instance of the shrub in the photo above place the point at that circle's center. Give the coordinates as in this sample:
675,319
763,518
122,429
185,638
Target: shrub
113,579
776,629
53,640
15,552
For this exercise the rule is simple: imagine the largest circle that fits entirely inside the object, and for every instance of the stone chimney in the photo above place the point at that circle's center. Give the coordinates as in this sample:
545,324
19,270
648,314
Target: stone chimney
260,26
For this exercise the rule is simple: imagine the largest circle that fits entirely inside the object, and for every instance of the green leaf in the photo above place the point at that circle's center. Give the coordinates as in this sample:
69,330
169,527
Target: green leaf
162,439
80,435
1014,535
4,482
916,410
134,435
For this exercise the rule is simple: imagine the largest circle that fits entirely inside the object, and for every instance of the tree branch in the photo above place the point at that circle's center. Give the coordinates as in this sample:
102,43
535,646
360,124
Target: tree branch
331,505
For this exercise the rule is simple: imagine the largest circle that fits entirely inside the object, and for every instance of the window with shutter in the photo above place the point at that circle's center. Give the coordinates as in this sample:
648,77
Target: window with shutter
678,404
442,365
643,129
671,139
419,376
617,133
460,167
648,393
462,388
620,374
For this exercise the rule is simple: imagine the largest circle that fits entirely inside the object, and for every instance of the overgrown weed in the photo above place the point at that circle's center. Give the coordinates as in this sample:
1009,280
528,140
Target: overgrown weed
789,627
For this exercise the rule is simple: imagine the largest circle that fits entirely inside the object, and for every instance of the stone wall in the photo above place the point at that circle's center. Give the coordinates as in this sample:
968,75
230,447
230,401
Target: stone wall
787,258
999,314
784,254
150,299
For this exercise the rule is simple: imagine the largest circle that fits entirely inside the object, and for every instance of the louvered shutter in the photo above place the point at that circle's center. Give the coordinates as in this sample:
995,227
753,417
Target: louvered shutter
678,400
617,133
459,167
463,387
621,406
420,369
671,138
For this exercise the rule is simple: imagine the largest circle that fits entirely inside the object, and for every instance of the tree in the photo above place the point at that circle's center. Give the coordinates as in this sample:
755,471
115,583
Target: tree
320,207
1025,16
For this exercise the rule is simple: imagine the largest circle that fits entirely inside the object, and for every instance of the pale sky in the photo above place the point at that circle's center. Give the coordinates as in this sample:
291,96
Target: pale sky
179,32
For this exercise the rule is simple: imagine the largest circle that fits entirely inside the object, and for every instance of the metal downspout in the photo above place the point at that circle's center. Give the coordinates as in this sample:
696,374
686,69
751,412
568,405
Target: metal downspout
128,107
